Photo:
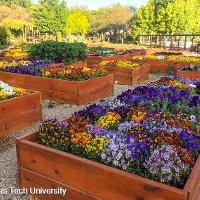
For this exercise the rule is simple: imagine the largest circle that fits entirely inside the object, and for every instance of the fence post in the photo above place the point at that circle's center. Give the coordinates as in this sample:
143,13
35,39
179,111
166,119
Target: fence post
150,41
192,43
171,42
185,42
139,40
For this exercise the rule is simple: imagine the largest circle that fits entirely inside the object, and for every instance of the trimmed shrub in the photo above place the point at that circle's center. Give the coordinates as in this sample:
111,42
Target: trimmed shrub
3,36
59,51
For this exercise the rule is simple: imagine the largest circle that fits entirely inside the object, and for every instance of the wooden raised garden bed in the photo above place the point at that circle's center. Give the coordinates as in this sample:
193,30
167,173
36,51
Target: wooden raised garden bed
129,76
72,92
19,112
162,66
41,166
188,74
95,60
77,64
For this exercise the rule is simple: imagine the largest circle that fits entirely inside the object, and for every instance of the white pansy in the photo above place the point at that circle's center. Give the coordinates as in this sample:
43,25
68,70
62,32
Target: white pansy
4,87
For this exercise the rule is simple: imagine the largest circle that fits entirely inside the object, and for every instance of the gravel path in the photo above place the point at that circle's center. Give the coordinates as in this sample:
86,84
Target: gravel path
8,161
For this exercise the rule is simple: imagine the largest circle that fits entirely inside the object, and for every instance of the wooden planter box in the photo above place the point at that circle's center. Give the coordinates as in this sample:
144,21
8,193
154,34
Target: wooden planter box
129,76
188,74
95,60
76,64
19,112
40,166
72,92
162,66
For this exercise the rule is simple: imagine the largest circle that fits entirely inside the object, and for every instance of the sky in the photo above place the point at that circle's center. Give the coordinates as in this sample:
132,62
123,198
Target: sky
94,4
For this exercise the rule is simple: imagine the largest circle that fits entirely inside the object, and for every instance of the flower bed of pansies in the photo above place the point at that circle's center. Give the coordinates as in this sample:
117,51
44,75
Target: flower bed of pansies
32,68
179,58
73,73
194,68
16,53
42,68
100,51
8,92
14,63
120,64
130,51
167,53
151,131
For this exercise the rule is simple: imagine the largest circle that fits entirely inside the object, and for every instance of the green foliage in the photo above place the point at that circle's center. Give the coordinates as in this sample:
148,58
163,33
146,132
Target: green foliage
3,36
99,20
151,19
59,51
171,71
50,16
184,16
14,26
77,23
2,47
108,19
167,16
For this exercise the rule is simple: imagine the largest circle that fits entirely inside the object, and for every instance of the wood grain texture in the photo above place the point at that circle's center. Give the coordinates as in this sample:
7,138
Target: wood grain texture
188,74
127,76
30,179
193,183
98,180
61,90
19,112
95,60
162,65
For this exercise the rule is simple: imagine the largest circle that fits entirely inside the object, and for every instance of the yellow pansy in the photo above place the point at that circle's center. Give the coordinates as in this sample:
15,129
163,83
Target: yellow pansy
3,95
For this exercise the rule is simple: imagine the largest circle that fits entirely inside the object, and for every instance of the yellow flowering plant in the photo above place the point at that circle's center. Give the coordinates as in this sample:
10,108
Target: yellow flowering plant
96,145
106,63
85,144
120,64
16,53
183,59
20,91
7,92
86,69
3,95
110,120
177,58
14,63
178,84
126,64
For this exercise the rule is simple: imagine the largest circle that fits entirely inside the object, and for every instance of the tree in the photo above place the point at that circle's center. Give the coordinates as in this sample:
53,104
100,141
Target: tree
14,27
167,16
184,16
14,12
50,16
151,19
119,21
77,23
112,21
23,3
99,21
